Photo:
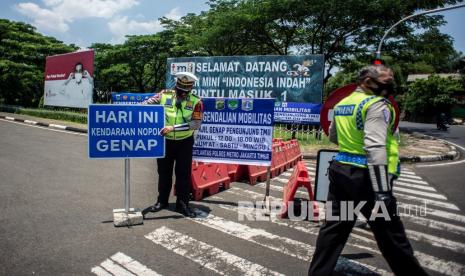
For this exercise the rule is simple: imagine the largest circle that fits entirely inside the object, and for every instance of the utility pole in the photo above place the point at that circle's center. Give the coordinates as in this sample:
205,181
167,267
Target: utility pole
378,52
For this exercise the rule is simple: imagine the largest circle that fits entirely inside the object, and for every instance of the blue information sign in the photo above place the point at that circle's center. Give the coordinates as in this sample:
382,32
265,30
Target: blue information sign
125,131
237,131
297,113
287,79
129,98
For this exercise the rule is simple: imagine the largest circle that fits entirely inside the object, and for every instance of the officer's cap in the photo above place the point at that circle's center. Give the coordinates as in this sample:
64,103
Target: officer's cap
185,80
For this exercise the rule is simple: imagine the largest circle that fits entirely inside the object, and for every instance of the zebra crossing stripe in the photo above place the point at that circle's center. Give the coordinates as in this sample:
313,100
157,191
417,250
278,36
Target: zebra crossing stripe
448,215
431,202
406,172
427,261
121,264
133,265
411,180
433,263
434,223
411,176
420,187
114,269
277,243
415,192
206,255
99,271
436,241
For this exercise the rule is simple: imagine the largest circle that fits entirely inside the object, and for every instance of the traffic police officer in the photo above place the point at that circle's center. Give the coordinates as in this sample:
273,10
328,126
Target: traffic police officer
183,115
363,171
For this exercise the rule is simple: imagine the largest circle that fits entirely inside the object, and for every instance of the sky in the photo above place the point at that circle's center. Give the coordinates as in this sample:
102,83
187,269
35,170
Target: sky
84,22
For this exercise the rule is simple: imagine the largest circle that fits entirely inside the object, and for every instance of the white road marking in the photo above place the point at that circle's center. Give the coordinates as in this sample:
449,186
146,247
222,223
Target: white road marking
436,241
30,122
46,128
398,189
57,126
133,265
206,255
406,172
447,215
287,174
121,264
427,261
411,181
100,271
448,163
435,224
429,202
442,164
410,185
9,118
436,264
277,243
115,269
411,176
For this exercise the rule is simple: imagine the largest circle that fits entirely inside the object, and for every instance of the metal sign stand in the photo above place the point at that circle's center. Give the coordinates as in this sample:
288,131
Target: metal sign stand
267,203
127,216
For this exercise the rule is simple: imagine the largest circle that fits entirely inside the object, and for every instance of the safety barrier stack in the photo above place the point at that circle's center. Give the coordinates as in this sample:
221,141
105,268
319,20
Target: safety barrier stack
299,178
208,178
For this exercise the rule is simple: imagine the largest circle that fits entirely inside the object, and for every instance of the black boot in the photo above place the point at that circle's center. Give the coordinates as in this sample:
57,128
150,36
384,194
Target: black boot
184,209
155,208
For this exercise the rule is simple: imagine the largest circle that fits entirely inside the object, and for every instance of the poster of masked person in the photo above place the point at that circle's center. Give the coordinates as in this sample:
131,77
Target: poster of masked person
69,79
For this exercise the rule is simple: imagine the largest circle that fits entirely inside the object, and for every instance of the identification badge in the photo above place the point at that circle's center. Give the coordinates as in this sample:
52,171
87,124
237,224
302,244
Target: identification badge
189,105
169,102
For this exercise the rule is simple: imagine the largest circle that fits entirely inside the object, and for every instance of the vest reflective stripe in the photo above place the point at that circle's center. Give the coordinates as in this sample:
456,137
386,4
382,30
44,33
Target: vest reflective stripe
349,115
175,116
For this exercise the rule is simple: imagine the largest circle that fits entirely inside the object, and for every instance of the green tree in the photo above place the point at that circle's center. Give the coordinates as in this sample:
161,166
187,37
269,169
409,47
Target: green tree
340,29
22,62
137,65
427,97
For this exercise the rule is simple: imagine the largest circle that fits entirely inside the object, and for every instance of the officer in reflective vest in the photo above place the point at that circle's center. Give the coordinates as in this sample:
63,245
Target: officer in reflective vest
362,173
183,115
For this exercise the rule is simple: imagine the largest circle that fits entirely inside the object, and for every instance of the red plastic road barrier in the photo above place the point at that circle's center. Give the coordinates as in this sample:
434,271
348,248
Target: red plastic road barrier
207,178
299,178
293,152
256,173
278,160
233,172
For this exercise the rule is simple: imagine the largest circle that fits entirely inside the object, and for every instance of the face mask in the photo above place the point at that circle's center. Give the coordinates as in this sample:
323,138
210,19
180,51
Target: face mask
180,95
78,77
383,89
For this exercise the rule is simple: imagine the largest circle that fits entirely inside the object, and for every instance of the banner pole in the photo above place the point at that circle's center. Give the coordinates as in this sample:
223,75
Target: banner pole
267,192
126,185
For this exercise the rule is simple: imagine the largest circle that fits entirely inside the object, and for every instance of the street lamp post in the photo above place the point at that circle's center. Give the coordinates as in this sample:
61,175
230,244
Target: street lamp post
378,52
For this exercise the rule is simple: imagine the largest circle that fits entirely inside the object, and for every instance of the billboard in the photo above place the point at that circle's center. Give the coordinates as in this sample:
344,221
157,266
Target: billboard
295,82
69,79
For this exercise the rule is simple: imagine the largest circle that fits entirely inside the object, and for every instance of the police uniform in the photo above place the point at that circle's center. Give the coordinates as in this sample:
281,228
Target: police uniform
183,114
364,170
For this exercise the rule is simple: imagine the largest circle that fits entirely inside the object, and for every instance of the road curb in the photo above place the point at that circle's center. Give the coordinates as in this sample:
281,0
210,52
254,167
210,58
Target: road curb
37,123
452,154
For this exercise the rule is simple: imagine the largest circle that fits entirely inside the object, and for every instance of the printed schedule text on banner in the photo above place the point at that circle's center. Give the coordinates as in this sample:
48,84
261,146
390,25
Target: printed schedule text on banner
236,131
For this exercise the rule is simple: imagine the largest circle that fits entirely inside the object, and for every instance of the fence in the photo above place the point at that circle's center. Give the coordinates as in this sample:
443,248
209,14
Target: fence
299,132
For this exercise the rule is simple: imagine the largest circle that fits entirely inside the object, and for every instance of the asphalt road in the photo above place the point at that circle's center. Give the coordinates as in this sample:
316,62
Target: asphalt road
56,219
448,177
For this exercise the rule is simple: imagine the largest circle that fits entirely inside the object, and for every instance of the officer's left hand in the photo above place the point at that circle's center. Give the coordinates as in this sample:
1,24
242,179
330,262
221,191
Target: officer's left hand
166,130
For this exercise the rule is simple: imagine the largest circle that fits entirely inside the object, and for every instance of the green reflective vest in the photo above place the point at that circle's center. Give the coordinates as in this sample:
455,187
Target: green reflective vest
349,115
175,116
